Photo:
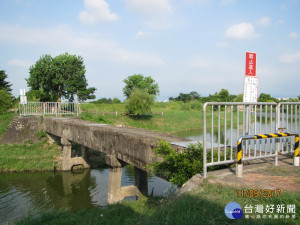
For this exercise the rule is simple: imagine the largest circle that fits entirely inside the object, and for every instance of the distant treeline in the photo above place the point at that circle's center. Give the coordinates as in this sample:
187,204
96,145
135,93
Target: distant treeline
221,96
107,101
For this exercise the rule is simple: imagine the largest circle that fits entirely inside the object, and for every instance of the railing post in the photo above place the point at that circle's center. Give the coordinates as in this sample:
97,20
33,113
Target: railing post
296,153
204,141
239,164
277,126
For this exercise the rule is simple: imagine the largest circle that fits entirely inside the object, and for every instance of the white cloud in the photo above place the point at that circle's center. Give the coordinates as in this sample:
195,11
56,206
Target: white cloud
279,22
242,31
151,8
290,58
142,34
264,21
96,11
20,63
62,38
293,35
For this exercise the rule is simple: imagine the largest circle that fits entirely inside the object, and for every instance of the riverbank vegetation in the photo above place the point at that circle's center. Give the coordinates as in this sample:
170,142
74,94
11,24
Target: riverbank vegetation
204,206
176,116
179,167
30,157
5,120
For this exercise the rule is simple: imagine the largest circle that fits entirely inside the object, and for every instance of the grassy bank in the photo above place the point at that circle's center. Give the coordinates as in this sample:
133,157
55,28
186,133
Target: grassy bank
5,120
176,116
29,157
204,206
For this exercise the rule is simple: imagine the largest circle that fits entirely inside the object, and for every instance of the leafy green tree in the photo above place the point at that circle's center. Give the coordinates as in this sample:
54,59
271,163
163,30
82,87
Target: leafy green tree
116,101
195,95
183,97
139,81
139,102
61,76
221,96
6,98
263,97
3,83
239,98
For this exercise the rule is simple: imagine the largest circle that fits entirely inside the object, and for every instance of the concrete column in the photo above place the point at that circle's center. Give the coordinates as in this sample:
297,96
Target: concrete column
141,180
66,155
112,161
239,170
296,161
85,156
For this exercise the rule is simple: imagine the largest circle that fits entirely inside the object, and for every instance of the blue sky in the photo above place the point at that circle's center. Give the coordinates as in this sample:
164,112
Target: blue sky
185,45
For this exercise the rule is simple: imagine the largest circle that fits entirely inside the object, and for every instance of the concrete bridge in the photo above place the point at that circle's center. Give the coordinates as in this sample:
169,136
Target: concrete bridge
122,145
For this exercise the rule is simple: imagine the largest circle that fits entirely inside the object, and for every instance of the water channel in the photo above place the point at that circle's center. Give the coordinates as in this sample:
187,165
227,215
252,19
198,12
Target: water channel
23,194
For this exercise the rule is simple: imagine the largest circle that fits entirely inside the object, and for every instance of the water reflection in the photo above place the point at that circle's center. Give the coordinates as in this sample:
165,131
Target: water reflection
22,194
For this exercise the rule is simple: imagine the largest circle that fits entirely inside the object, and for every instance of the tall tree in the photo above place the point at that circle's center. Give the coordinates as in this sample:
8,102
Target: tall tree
138,81
6,97
61,76
3,83
263,97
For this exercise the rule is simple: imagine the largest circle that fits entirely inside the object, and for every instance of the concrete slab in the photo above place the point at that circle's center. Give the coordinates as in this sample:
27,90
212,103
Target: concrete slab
186,144
95,125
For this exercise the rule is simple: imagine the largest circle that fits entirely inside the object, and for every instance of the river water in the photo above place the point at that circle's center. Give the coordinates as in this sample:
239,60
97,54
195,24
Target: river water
23,194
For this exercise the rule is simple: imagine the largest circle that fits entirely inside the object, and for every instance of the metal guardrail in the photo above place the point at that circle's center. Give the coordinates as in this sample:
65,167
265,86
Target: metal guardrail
239,166
48,108
225,122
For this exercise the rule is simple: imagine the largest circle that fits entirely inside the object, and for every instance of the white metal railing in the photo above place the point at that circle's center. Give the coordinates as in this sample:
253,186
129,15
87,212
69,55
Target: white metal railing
48,108
225,122
288,119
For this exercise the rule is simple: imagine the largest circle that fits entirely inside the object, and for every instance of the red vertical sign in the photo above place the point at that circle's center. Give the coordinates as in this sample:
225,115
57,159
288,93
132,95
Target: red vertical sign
250,64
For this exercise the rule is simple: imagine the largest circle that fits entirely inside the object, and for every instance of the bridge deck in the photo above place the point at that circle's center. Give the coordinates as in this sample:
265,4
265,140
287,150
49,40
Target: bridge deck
132,145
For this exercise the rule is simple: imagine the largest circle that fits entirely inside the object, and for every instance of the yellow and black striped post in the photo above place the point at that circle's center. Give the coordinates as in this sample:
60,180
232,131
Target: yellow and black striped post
239,168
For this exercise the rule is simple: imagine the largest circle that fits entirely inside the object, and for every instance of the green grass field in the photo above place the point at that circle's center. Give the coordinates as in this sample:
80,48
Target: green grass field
176,116
29,157
5,120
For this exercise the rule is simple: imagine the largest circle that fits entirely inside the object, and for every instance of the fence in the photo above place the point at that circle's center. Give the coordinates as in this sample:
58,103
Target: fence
239,167
224,123
48,108
288,116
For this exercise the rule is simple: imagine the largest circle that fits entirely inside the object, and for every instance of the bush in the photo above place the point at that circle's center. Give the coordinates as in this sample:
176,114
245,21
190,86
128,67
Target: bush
180,167
5,101
140,102
41,134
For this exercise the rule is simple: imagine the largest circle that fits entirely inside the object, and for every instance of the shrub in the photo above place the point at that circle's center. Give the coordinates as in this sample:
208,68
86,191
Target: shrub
180,167
140,102
41,134
5,101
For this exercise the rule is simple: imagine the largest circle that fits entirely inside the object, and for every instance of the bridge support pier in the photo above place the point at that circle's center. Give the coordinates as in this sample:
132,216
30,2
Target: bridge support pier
141,180
116,192
67,161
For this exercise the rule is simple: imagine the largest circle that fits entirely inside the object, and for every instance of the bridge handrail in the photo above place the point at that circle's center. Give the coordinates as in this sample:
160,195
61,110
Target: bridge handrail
48,108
